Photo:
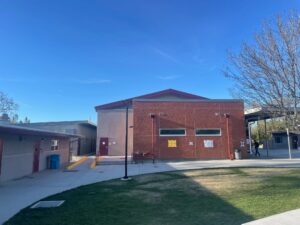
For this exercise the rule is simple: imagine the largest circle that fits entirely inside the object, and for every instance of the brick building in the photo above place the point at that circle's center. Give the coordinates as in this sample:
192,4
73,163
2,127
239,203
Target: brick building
171,124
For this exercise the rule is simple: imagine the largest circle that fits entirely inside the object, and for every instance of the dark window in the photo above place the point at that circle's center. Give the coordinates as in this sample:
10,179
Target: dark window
208,132
278,139
172,132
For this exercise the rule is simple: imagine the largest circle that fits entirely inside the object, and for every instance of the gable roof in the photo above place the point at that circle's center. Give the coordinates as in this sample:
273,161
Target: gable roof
173,92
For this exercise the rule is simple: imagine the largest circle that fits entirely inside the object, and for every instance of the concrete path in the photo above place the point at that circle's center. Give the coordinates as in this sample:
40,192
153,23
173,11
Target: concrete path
18,194
278,153
287,218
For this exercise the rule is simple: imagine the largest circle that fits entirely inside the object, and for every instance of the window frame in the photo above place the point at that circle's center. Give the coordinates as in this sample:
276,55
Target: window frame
208,135
54,147
172,135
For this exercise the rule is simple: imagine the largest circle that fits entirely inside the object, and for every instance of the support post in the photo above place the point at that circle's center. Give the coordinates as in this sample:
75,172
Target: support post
266,139
152,141
289,144
250,138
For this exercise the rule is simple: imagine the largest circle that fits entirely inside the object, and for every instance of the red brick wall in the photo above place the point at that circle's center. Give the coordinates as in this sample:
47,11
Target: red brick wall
189,115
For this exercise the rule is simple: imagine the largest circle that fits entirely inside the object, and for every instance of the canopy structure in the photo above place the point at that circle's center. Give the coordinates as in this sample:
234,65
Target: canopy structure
254,115
260,113
264,113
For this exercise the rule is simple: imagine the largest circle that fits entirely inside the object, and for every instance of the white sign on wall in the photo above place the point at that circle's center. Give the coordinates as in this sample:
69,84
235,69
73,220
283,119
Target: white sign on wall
208,143
242,143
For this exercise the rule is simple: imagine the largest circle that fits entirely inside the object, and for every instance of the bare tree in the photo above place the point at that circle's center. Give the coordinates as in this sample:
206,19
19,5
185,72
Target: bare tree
7,104
266,73
26,120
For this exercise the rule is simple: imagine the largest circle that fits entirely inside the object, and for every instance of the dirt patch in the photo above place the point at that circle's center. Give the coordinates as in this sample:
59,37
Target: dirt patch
151,177
206,172
268,171
222,181
186,185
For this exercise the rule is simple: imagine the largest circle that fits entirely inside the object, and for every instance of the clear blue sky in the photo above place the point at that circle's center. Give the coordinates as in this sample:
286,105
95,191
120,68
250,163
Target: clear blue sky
59,59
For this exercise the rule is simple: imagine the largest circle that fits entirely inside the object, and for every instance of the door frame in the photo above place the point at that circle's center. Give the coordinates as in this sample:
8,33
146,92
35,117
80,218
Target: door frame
36,157
103,139
294,142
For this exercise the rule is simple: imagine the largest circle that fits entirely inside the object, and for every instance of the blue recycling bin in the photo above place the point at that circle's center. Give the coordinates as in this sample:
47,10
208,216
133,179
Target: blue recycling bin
54,161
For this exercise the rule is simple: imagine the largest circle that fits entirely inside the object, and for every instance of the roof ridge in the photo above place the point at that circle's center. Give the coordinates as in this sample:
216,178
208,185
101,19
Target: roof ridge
123,103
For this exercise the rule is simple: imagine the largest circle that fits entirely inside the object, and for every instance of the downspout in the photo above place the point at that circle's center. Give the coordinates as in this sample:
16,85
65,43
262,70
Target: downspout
229,155
152,131
158,136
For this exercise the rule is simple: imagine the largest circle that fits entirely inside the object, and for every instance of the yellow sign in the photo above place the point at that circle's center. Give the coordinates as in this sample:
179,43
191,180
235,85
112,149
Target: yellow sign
172,144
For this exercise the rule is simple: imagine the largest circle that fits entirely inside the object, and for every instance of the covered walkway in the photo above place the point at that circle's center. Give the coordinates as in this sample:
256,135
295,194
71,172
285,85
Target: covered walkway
264,114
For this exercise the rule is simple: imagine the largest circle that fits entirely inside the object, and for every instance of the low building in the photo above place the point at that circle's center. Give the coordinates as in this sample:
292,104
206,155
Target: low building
280,140
171,124
24,150
84,144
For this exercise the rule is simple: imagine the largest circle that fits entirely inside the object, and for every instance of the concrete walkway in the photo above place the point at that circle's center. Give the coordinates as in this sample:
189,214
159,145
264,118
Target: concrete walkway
287,218
278,154
18,194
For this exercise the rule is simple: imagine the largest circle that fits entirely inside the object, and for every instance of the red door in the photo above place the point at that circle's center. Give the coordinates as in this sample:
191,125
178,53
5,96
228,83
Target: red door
1,153
103,146
36,157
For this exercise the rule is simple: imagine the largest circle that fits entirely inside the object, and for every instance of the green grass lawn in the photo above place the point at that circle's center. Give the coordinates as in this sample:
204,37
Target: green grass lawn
212,196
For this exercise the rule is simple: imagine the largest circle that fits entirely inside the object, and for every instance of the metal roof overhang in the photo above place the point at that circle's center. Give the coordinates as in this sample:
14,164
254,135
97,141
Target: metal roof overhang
262,113
256,114
12,129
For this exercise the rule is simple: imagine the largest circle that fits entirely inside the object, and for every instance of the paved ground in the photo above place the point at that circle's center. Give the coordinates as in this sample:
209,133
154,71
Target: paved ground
287,218
278,153
18,194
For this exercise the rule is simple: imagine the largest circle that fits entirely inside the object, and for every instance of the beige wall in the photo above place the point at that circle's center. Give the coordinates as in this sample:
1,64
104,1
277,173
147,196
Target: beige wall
88,142
111,124
17,159
86,131
63,151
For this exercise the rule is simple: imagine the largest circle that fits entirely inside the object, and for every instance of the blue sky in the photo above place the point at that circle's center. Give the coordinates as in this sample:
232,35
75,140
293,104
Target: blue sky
59,59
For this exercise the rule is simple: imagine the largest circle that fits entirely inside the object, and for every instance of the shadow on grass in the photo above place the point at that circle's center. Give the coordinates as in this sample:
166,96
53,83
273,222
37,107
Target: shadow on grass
161,199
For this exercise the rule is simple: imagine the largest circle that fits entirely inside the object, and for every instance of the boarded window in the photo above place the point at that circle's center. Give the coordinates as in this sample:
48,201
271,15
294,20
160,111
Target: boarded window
172,132
54,145
208,132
